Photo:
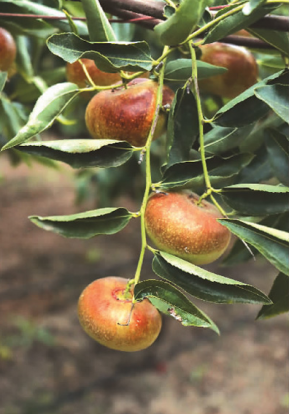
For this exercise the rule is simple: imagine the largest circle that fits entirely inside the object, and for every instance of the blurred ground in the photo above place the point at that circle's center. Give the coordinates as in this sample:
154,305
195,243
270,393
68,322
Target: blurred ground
48,364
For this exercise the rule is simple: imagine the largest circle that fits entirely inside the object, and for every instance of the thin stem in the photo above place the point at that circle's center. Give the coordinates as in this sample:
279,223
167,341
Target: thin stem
88,77
148,184
200,116
212,23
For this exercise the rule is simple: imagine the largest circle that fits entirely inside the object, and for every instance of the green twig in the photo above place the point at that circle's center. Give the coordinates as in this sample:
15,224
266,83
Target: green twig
148,184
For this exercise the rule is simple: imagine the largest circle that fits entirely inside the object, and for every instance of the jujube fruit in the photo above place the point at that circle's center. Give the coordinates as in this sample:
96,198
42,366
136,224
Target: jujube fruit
106,314
7,50
76,74
242,70
177,224
127,113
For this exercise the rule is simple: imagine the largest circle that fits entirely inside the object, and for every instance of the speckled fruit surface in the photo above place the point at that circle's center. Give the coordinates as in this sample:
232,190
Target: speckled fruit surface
127,114
242,70
108,317
178,225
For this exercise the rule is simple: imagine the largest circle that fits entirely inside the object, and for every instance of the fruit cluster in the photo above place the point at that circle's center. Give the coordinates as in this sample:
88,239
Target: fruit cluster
179,223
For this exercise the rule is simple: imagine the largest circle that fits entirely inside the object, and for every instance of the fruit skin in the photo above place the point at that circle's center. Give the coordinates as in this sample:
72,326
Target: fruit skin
127,114
75,74
242,69
177,225
7,50
102,307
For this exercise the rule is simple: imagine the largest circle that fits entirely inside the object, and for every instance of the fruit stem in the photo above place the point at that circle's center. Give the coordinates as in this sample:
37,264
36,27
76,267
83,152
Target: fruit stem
200,116
88,77
159,99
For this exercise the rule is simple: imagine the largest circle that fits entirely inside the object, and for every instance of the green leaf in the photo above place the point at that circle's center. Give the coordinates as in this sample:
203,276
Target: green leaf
85,225
169,300
240,252
182,126
257,199
279,40
109,57
258,170
32,26
178,27
23,58
277,97
222,171
278,150
47,108
234,22
99,27
272,244
82,153
220,140
279,294
203,284
247,108
252,5
180,70
3,79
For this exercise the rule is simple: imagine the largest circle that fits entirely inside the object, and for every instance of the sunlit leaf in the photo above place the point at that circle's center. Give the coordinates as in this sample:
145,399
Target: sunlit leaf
45,111
82,153
169,300
257,199
203,284
85,225
181,23
99,27
273,244
109,57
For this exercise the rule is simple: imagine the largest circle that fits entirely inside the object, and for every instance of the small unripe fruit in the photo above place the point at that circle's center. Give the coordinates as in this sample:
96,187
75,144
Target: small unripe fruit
106,314
7,50
76,74
127,113
177,224
242,70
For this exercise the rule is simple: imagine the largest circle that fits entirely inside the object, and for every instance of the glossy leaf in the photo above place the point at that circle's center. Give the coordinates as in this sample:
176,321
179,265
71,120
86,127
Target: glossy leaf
257,199
203,284
277,97
169,300
252,5
190,173
109,57
178,26
99,27
240,252
82,153
278,149
273,244
247,108
235,21
220,140
182,126
279,294
180,70
47,108
85,225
